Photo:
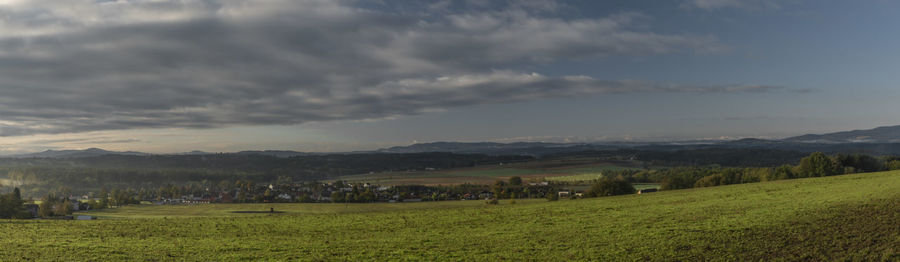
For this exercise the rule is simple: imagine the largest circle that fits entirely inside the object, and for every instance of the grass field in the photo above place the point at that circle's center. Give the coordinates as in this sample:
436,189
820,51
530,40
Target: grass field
850,217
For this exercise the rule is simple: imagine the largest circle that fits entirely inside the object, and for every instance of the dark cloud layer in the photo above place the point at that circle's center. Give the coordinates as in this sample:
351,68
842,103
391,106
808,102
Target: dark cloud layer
78,65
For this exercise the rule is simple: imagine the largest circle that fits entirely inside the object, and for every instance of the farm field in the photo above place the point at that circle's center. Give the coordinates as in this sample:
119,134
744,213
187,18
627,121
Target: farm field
448,177
855,217
554,170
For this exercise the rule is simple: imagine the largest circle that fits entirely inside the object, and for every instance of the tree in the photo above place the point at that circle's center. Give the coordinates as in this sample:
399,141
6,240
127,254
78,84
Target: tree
515,181
679,179
893,165
860,163
499,189
45,209
610,187
63,208
93,204
708,181
10,204
242,196
116,197
268,196
552,196
818,164
337,197
104,198
783,172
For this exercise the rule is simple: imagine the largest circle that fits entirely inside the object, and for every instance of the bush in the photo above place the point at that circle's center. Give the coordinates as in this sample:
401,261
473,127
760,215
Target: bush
610,187
552,196
492,201
708,181
893,165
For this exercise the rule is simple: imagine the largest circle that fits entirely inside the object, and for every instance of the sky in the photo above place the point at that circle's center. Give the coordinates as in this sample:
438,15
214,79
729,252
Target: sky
329,75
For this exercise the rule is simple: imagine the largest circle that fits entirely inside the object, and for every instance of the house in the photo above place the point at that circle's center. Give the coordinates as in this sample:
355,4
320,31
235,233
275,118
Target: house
225,198
564,193
85,218
485,195
469,196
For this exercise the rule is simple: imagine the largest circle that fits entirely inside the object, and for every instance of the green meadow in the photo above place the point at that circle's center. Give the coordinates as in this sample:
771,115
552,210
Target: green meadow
848,217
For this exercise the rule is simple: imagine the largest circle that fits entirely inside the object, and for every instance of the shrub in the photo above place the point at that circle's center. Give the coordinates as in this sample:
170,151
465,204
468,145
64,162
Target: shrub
610,187
552,196
893,165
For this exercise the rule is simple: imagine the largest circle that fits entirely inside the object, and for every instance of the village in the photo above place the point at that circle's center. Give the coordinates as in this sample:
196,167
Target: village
301,192
62,204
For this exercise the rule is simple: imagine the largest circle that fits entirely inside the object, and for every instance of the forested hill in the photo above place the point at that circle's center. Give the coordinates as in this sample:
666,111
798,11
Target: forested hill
885,134
309,166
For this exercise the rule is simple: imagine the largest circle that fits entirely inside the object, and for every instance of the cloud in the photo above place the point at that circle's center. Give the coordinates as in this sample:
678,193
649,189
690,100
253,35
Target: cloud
724,4
83,65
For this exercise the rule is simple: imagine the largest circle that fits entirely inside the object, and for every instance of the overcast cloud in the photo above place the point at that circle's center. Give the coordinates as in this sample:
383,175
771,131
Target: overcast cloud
741,4
77,65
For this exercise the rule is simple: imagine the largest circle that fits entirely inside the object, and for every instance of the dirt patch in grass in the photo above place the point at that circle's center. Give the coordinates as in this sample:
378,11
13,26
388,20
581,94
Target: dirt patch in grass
863,232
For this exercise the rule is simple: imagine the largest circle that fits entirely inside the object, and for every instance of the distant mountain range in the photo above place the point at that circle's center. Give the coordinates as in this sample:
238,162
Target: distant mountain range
490,148
885,134
878,141
90,152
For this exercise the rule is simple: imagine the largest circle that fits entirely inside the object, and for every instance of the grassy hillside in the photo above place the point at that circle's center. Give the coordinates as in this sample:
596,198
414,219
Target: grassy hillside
841,217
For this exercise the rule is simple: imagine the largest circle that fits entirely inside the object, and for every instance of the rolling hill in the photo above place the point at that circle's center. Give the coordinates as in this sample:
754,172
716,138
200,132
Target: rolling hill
838,218
90,152
885,134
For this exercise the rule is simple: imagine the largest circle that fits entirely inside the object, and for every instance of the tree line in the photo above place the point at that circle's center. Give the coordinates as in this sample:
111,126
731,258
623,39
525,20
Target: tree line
39,176
813,165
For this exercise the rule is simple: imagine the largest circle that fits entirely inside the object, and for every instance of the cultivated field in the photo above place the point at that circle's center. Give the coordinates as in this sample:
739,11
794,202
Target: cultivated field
853,217
569,170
